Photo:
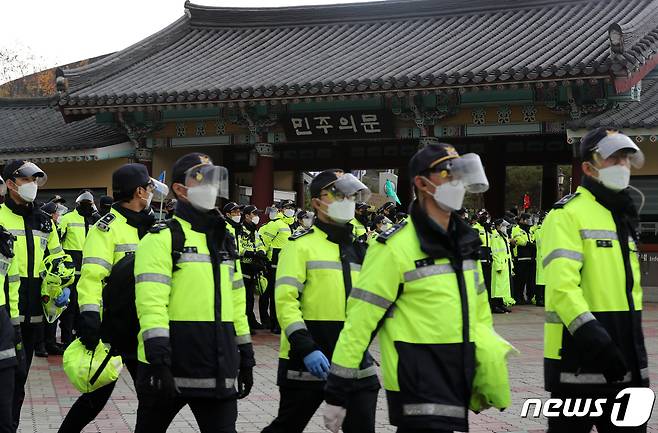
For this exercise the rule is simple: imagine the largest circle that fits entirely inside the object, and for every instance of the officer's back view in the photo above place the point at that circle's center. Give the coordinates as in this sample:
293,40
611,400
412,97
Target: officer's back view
114,236
593,340
194,335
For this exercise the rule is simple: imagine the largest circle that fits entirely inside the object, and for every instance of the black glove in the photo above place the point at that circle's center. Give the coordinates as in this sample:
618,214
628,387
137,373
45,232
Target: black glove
6,243
156,383
89,329
21,368
245,381
614,366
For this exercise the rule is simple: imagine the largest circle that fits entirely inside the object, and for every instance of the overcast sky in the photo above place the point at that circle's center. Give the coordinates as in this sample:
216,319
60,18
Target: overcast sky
65,31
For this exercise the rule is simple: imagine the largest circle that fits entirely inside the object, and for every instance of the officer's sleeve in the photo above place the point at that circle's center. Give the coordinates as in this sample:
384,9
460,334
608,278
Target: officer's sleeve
13,282
498,252
259,245
63,227
519,236
97,260
482,300
54,246
266,235
373,294
288,286
239,307
562,252
153,268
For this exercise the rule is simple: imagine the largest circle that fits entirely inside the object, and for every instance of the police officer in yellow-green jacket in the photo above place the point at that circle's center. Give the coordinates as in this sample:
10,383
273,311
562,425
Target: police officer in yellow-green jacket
361,220
275,234
35,236
112,238
74,227
593,340
253,260
540,284
483,226
421,289
524,260
194,341
314,278
10,343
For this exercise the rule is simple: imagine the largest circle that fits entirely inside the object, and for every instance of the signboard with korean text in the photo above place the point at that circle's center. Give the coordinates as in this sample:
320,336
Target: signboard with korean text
337,126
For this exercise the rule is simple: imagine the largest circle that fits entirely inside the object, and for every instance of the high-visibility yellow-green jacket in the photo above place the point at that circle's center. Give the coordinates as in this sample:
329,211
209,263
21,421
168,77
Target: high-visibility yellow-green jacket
35,235
7,348
275,234
73,229
360,230
249,244
310,292
108,241
423,308
525,243
593,296
501,267
485,238
539,269
183,311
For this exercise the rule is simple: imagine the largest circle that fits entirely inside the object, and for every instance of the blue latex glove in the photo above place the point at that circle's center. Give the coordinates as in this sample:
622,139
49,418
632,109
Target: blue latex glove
317,364
63,299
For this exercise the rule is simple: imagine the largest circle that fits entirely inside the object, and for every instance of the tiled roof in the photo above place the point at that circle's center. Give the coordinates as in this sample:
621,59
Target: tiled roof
642,114
219,54
35,124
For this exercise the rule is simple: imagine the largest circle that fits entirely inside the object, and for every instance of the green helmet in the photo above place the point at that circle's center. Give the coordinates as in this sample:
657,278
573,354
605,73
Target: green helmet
58,273
89,370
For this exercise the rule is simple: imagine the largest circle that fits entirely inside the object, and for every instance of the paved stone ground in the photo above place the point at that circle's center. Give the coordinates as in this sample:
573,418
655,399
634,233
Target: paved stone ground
49,394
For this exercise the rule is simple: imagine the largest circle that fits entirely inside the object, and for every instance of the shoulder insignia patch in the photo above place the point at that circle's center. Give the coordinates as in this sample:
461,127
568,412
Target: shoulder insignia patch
103,224
564,200
158,227
300,234
391,232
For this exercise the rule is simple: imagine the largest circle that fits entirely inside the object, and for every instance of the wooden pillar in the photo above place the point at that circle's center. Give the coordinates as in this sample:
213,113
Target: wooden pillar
576,174
262,193
299,188
549,186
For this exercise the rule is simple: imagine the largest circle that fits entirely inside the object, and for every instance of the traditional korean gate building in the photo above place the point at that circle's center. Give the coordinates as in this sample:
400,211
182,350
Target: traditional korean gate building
271,93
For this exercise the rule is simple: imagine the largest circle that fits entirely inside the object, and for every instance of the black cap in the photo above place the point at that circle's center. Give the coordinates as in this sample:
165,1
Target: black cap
251,209
524,216
378,219
302,214
322,181
57,199
186,162
430,156
287,203
49,208
127,178
231,206
105,200
362,205
11,167
386,206
498,221
591,140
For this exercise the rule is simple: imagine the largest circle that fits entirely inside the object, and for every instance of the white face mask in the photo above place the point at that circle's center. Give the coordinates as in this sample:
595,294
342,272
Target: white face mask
28,191
236,218
450,195
341,211
273,214
615,177
289,213
255,220
307,222
202,197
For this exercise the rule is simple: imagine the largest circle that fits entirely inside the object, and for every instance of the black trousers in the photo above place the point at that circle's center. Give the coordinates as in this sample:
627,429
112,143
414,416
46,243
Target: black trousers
29,332
7,380
297,407
212,415
524,279
539,292
267,299
486,270
603,424
87,407
250,290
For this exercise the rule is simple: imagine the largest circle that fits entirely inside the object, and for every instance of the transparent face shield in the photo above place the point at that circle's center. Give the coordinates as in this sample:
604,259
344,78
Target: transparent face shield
616,142
469,170
61,209
348,186
3,186
85,196
208,175
30,169
160,190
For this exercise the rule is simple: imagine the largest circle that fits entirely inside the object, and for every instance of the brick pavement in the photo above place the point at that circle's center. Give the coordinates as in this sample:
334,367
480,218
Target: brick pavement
49,394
